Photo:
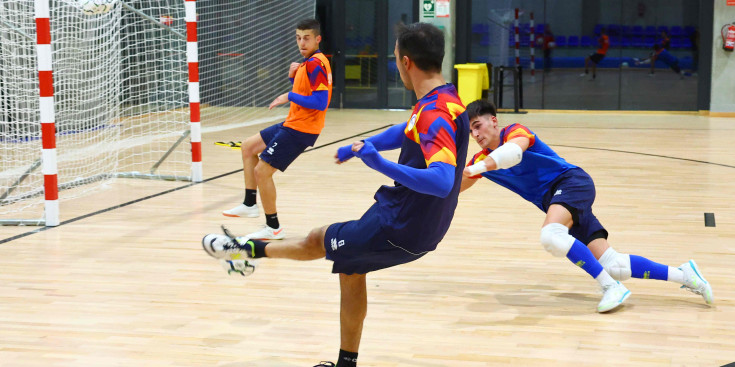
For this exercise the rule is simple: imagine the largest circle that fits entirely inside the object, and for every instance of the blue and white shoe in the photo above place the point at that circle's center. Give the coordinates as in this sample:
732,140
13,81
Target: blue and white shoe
694,281
613,296
233,252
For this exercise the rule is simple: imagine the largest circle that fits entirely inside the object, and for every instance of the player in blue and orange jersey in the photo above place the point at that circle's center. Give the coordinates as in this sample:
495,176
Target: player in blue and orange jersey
280,144
516,158
407,220
660,53
597,56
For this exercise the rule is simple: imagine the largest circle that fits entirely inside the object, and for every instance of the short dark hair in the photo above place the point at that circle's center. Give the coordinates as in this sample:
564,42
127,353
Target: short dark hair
307,24
423,43
479,108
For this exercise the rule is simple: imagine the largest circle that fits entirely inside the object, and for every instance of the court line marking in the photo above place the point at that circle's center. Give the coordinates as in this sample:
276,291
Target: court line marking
101,211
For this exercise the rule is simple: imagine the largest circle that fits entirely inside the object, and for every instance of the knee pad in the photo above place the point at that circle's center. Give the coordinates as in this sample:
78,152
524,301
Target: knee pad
556,239
616,264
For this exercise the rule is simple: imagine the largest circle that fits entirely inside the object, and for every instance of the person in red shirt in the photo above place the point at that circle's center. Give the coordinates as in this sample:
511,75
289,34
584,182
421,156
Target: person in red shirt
280,144
548,45
598,55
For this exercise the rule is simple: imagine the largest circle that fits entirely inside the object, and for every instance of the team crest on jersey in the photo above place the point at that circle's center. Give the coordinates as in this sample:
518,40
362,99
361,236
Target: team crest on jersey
412,122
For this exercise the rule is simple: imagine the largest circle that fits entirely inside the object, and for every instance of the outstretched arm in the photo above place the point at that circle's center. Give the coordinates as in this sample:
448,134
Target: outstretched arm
390,139
436,180
506,156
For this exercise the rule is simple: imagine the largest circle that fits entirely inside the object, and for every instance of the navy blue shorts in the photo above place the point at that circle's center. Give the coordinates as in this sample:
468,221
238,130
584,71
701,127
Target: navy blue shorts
575,190
596,58
283,145
361,246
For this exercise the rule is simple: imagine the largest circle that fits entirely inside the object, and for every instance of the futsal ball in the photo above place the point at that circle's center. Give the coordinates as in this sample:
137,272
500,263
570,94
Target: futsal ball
93,7
625,64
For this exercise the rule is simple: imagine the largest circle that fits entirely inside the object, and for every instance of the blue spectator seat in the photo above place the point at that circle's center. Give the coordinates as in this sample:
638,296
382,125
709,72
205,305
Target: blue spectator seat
662,28
561,41
585,41
637,31
638,41
650,31
626,31
627,42
598,29
573,41
676,31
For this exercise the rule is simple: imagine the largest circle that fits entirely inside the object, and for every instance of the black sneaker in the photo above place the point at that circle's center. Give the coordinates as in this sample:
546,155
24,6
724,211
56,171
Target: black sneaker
325,364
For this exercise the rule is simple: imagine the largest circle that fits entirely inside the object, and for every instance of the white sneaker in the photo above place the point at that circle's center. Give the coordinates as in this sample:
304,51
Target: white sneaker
268,233
242,211
613,296
694,281
220,246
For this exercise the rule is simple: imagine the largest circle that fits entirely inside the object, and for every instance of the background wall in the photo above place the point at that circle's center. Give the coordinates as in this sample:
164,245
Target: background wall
723,62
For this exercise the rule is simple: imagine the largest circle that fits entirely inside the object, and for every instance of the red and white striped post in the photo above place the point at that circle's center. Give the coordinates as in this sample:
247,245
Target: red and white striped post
518,41
533,46
46,109
192,58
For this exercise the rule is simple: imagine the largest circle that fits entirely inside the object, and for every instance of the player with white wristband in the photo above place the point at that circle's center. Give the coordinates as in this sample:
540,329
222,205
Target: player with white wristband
515,158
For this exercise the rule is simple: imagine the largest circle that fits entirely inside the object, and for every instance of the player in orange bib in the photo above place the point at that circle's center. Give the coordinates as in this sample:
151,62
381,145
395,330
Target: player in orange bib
598,55
280,144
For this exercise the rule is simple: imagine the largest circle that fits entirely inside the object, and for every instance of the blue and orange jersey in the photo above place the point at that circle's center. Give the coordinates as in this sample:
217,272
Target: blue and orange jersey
314,74
438,131
539,167
604,42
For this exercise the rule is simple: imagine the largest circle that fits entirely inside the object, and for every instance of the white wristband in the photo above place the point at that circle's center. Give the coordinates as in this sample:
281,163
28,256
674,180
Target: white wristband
477,168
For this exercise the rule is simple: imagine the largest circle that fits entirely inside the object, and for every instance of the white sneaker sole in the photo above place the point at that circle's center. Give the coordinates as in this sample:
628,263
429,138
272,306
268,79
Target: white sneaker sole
615,305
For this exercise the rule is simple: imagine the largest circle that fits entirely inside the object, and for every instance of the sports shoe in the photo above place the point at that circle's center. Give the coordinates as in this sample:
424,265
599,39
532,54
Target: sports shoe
325,364
694,281
243,211
226,246
268,233
583,74
613,296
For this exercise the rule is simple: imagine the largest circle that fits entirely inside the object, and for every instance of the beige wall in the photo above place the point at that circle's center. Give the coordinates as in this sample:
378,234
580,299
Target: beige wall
723,62
446,25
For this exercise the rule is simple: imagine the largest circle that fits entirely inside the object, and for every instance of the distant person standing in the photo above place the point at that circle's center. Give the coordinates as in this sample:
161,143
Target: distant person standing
597,56
548,44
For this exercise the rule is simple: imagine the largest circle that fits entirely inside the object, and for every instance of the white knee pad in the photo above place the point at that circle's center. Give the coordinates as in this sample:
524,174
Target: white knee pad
556,239
615,264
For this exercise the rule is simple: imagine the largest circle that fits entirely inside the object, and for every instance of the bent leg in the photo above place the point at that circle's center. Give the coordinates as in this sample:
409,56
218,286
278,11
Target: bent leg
309,248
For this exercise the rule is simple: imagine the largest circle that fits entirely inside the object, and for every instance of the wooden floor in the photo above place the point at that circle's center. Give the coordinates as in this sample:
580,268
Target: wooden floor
131,286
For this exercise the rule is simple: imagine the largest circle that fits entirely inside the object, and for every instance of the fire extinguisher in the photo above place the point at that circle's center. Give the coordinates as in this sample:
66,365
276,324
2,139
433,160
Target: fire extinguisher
728,37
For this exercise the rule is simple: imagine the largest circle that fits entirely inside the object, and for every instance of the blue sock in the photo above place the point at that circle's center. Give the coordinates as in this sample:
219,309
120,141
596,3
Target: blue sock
643,268
581,256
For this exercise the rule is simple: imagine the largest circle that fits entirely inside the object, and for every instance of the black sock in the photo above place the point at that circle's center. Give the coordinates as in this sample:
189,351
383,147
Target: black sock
257,248
347,359
271,220
250,196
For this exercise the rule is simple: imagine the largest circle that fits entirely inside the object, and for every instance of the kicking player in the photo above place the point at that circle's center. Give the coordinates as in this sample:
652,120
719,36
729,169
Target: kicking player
515,158
597,56
408,220
280,144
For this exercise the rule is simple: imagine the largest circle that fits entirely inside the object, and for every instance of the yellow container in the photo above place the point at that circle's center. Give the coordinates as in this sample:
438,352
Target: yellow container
472,79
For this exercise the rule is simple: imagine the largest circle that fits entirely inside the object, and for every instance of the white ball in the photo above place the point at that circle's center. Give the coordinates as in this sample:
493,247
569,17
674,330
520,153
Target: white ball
93,7
625,64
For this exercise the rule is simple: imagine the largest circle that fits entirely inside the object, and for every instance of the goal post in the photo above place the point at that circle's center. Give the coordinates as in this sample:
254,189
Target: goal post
131,91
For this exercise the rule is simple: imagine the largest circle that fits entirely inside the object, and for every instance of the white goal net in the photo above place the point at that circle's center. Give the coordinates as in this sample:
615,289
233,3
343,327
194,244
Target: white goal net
121,88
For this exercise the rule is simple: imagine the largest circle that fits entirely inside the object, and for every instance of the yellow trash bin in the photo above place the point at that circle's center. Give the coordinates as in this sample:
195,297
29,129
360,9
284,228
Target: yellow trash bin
472,79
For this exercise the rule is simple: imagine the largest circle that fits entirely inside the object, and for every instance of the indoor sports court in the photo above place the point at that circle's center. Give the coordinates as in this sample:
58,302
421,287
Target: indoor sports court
101,260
